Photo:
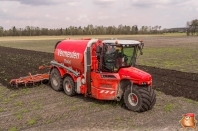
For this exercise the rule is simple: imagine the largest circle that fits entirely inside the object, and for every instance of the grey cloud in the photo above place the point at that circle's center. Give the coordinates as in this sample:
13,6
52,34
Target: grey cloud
5,15
104,2
108,12
36,2
150,3
2,14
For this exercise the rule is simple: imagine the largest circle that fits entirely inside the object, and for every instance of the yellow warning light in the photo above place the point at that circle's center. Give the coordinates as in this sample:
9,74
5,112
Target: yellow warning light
118,48
116,42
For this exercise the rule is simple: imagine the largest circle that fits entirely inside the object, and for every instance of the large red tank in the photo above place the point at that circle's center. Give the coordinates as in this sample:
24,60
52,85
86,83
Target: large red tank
71,53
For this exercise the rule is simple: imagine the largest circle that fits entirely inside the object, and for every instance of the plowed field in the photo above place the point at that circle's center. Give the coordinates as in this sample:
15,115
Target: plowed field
17,62
41,108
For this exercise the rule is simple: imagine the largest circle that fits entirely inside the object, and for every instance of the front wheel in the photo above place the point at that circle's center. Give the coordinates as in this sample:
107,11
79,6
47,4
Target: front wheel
139,99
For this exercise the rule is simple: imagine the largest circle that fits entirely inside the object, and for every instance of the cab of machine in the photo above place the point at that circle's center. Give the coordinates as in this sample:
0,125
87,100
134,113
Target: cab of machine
116,54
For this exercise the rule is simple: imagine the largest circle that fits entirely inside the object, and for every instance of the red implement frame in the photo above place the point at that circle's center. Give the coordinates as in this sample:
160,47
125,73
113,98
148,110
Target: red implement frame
31,80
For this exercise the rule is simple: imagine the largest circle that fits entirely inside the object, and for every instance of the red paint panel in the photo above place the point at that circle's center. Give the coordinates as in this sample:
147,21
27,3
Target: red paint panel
103,94
104,88
136,75
71,53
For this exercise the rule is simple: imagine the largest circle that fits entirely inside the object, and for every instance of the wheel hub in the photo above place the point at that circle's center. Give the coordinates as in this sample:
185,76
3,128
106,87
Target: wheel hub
54,81
133,99
68,87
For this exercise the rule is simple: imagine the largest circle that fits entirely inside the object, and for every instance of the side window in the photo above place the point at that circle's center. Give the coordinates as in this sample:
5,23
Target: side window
110,49
128,54
109,58
119,50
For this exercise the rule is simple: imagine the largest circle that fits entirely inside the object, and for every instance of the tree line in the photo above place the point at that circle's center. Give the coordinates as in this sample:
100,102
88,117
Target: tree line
192,27
87,30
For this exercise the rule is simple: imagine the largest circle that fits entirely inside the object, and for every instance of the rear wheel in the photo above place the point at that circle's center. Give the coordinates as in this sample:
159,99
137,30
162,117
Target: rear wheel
56,80
140,99
69,86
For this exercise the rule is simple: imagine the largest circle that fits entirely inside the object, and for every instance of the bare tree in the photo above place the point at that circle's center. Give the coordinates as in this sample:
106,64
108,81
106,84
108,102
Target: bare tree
192,27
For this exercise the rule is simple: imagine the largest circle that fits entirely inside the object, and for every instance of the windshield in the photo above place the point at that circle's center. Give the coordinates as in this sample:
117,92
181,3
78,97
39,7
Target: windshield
118,56
128,53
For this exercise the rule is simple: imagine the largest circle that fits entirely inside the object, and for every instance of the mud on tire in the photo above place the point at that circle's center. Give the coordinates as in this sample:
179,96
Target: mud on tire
56,81
69,86
140,99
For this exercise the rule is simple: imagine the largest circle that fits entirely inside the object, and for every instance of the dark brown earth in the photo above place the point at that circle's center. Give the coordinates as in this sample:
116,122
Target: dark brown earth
15,63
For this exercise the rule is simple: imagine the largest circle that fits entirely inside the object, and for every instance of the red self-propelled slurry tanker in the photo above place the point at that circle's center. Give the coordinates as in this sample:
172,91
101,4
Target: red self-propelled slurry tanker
104,70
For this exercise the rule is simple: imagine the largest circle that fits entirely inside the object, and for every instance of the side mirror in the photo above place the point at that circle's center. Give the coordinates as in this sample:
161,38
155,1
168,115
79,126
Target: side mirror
141,48
98,49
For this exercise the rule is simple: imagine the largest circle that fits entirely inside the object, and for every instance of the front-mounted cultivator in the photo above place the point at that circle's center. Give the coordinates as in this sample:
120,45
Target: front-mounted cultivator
30,80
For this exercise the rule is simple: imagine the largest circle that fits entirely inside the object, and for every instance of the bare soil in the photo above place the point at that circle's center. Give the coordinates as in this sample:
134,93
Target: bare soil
41,108
15,63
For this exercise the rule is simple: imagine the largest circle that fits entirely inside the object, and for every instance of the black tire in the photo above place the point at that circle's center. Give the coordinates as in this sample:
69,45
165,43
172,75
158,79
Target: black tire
69,86
56,81
144,98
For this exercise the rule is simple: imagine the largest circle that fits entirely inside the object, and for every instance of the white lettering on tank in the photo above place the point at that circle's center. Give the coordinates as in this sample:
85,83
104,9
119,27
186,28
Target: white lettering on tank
67,61
69,54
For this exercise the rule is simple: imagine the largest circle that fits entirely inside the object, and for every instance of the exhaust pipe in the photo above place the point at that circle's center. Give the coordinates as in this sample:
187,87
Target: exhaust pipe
88,70
87,64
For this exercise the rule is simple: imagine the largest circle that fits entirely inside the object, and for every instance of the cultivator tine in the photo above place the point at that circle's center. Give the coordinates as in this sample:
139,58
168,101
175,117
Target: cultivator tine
43,67
32,80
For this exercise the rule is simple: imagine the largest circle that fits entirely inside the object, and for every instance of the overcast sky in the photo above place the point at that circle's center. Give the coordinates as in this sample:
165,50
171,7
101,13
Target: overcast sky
64,13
